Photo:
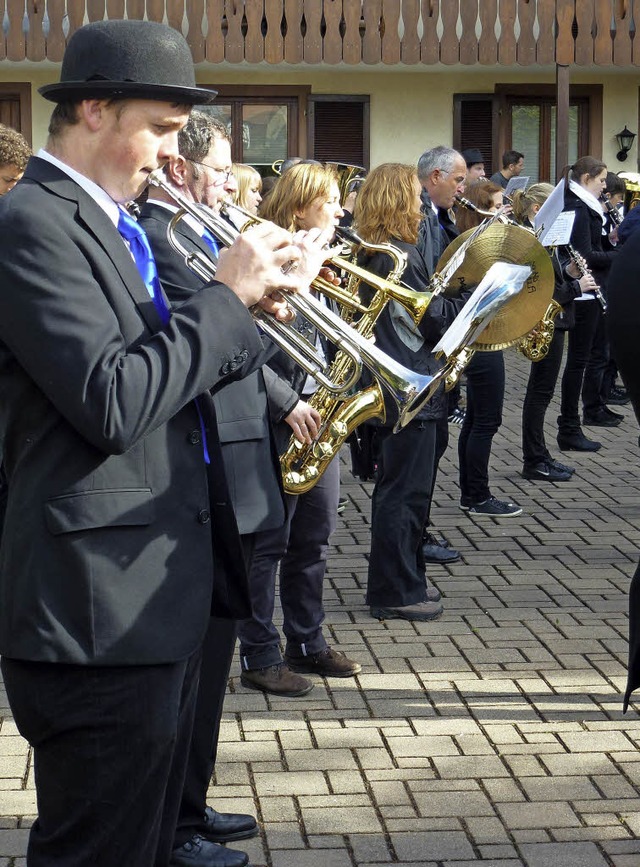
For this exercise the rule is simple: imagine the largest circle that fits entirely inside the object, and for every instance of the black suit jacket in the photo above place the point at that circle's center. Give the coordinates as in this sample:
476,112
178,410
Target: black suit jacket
251,461
108,550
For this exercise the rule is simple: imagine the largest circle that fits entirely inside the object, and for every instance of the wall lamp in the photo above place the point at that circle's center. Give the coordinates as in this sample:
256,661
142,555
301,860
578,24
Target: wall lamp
625,141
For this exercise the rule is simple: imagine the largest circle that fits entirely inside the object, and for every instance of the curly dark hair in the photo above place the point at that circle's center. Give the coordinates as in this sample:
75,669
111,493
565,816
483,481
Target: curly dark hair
14,149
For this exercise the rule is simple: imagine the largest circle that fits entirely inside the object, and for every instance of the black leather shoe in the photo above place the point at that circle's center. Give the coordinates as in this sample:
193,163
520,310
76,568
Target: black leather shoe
601,419
611,414
434,551
225,827
618,396
199,852
577,442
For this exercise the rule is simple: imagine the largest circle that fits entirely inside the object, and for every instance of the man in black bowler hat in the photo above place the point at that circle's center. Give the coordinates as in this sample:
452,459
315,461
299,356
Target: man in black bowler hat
118,537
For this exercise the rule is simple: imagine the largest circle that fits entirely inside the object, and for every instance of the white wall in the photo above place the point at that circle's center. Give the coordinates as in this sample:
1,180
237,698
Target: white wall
410,111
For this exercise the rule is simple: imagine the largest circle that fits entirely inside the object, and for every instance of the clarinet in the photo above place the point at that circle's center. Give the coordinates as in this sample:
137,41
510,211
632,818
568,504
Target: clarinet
614,214
581,264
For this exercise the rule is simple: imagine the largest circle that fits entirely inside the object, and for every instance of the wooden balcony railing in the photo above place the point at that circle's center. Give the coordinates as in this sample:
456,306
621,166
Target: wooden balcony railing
411,32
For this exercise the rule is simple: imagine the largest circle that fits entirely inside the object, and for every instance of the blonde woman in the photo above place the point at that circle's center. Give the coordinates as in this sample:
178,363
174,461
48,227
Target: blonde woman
305,197
248,194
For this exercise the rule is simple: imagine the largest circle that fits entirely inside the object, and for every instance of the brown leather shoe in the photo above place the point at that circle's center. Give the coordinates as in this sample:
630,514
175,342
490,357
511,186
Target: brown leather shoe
327,663
276,680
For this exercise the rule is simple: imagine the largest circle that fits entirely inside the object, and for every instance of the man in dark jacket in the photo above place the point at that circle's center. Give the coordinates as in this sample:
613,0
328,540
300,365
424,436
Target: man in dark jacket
118,530
442,173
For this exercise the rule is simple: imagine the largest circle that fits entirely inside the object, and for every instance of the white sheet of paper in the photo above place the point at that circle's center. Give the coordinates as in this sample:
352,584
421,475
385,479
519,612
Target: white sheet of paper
518,182
559,232
550,211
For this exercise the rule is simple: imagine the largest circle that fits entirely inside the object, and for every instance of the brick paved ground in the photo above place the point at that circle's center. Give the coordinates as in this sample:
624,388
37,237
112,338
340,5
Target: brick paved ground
492,736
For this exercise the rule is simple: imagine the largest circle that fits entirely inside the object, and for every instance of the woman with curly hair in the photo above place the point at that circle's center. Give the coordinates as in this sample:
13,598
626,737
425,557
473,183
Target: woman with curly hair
388,210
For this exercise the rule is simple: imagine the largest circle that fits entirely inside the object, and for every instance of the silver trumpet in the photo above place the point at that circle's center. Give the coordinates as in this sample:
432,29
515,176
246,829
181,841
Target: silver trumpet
409,390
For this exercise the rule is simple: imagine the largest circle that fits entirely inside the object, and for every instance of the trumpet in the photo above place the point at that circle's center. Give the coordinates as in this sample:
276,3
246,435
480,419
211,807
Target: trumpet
407,388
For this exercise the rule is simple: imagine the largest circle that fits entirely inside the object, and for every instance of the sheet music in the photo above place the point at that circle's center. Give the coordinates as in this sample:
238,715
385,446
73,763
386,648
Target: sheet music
516,183
549,212
559,232
501,282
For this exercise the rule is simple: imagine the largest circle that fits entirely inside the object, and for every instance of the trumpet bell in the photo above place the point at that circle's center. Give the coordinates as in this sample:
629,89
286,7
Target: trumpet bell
512,244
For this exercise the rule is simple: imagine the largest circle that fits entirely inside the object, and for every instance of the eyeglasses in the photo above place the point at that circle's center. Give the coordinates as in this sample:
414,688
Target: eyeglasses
226,172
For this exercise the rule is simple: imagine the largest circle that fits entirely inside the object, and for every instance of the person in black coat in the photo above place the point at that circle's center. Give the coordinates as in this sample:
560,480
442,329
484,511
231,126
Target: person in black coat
117,533
485,395
538,463
623,328
584,184
388,210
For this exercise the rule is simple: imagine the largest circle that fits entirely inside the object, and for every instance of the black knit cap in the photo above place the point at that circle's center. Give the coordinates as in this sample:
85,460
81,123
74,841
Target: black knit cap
472,156
127,60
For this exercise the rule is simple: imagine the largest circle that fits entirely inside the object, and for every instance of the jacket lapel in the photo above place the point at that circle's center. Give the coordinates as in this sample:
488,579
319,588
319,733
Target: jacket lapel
97,223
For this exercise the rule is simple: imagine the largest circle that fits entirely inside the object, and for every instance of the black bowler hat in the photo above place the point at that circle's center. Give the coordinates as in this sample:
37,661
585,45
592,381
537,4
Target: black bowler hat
472,156
127,60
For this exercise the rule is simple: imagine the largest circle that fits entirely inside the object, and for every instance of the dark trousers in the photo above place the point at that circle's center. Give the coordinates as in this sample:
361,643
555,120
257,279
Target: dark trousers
593,386
542,382
110,746
217,653
398,514
581,336
301,546
485,397
442,441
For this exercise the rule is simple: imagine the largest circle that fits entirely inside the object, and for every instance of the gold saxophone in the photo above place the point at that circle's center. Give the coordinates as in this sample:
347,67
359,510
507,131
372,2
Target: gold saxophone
303,464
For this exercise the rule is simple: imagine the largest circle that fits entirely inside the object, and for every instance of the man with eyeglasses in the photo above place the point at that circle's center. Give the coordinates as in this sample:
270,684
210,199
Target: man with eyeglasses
201,173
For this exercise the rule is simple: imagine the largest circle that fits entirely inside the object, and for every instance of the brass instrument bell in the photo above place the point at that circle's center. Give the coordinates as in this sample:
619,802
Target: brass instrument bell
504,243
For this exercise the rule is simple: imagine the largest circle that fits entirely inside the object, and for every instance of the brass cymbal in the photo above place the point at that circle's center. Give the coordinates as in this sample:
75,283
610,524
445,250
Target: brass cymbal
516,245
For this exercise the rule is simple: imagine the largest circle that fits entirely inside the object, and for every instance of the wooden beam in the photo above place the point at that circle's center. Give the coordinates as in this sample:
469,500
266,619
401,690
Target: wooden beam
562,118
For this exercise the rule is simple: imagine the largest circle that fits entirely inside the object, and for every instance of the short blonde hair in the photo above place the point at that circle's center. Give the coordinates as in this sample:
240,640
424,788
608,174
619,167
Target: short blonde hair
247,177
294,191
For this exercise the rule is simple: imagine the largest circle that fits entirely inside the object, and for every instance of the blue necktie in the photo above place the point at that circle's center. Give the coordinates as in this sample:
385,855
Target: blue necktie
132,232
211,242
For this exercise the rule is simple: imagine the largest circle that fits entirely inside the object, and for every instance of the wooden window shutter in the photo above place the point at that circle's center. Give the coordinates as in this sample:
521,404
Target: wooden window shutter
339,131
473,125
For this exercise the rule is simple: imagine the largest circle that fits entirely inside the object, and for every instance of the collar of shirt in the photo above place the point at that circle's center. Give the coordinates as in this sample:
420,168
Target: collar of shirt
100,197
197,227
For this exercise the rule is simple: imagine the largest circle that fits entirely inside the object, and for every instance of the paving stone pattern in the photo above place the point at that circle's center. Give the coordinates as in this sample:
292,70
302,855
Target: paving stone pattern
493,736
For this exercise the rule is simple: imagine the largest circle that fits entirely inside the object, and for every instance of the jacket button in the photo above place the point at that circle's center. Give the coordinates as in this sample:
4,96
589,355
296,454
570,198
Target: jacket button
244,354
225,368
195,437
203,516
232,365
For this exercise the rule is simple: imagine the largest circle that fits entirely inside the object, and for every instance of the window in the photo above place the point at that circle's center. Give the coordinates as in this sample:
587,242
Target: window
15,107
523,118
264,123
